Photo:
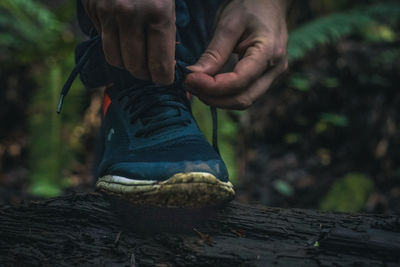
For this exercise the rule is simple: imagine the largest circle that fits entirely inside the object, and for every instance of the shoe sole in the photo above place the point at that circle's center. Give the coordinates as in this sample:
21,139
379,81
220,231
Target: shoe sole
182,190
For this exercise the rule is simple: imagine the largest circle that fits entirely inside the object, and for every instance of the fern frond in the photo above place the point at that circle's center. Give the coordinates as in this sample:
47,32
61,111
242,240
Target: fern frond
27,27
30,11
333,27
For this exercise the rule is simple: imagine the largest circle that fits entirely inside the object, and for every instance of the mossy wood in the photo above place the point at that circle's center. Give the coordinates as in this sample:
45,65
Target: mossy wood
87,229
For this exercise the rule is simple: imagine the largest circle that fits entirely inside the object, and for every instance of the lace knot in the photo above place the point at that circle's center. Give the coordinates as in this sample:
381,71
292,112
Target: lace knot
157,107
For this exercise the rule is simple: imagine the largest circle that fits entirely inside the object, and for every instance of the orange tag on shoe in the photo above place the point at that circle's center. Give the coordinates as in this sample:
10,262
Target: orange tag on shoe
106,103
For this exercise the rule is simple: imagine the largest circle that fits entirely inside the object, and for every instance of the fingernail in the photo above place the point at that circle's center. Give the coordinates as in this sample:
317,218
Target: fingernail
187,71
194,68
190,67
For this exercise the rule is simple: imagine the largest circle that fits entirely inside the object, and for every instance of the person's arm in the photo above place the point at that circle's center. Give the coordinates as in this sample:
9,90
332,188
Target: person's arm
257,31
138,35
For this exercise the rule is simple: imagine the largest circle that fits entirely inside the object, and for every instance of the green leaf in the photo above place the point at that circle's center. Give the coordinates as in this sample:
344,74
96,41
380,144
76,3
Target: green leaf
292,138
299,82
45,189
330,82
335,119
283,187
348,194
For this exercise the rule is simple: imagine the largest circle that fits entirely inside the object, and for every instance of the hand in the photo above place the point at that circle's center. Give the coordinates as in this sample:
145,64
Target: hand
254,29
138,35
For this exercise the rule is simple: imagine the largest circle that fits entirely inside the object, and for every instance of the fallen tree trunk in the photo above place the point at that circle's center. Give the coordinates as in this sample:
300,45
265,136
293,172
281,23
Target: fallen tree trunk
85,229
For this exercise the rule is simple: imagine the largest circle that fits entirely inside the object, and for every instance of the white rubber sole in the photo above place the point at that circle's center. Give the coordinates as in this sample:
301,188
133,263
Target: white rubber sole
183,190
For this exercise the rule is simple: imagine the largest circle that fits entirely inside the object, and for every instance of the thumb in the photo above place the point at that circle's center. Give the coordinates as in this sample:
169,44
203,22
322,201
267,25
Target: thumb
223,43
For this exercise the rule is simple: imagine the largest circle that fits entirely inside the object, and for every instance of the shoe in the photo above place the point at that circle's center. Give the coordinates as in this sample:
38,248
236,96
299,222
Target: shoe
154,152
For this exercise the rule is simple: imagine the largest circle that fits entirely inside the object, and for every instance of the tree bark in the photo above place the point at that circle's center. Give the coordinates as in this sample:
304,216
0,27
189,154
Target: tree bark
88,229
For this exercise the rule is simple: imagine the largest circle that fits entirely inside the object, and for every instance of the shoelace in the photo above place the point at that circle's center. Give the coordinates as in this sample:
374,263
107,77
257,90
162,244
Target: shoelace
143,100
134,94
95,41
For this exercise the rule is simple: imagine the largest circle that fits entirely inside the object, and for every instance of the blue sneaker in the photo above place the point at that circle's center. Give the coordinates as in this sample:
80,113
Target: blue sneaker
154,153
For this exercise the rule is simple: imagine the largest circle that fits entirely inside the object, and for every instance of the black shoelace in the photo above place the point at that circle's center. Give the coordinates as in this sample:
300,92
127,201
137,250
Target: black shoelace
166,97
157,107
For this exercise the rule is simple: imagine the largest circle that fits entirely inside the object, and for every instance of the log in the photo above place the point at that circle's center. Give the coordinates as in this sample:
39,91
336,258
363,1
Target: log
87,229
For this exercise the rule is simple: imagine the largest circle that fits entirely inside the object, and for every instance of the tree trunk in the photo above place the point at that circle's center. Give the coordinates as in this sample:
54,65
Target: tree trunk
87,229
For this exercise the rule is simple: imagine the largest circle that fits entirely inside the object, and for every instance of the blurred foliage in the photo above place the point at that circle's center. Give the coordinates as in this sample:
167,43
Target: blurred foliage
46,138
328,120
32,33
332,27
336,113
334,119
348,194
299,82
283,187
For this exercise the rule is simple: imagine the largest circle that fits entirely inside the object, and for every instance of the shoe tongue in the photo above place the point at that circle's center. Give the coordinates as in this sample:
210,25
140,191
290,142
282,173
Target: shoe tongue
160,113
157,113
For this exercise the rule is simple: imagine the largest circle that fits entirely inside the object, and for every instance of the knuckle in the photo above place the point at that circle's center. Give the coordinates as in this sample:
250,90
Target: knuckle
213,55
123,7
285,66
280,52
263,48
162,6
160,10
228,28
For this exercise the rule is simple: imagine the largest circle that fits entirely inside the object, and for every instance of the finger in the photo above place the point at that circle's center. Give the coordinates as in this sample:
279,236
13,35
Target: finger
226,36
161,52
133,50
111,45
245,99
91,11
249,68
